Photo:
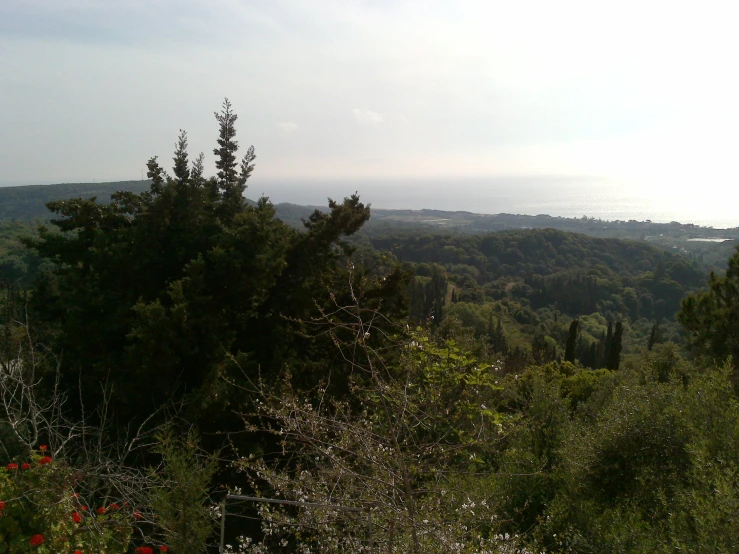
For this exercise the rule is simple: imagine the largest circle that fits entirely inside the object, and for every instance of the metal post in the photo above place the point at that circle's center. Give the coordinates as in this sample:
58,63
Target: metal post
223,525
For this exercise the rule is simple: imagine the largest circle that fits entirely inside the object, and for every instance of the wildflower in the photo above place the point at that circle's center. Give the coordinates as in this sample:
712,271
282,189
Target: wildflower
11,466
114,506
45,460
84,508
36,540
76,517
163,548
144,550
137,514
43,448
78,552
26,465
2,507
101,510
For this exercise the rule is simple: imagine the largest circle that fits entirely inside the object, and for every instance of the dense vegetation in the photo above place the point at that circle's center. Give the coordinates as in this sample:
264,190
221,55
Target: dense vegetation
515,391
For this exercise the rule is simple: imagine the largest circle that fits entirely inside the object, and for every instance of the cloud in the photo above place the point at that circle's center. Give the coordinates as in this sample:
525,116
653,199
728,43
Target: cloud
288,127
363,116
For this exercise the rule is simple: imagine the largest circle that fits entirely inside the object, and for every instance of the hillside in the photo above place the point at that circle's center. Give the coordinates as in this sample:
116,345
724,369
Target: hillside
29,202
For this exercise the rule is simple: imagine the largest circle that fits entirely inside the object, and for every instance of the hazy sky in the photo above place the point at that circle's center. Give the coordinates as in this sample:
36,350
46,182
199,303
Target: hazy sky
637,90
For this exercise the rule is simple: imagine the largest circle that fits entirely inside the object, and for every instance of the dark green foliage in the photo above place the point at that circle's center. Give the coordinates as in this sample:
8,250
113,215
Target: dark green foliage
152,292
654,336
571,341
497,337
18,264
614,347
427,294
711,317
552,270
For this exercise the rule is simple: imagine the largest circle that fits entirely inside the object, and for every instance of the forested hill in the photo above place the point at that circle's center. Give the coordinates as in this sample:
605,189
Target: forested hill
572,272
29,202
543,251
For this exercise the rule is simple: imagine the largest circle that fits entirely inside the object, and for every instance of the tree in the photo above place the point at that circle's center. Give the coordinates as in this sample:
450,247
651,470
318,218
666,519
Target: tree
614,348
654,336
571,341
710,317
153,291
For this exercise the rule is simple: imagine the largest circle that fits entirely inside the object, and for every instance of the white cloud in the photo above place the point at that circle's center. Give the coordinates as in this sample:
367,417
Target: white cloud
363,116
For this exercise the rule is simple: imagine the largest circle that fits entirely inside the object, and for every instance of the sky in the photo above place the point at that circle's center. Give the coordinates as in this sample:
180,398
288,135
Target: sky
636,92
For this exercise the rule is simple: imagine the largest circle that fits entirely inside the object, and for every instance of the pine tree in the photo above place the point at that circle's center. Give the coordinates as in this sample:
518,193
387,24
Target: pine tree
181,170
227,146
231,184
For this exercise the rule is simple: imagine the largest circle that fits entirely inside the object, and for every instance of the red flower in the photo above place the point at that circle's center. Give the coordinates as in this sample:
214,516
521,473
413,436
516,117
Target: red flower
137,514
114,506
43,448
163,548
76,517
26,465
36,540
144,550
45,460
101,510
2,507
84,508
78,552
11,466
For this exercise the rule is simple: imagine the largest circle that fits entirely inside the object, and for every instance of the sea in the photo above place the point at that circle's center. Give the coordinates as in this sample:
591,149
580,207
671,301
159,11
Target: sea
714,204
607,199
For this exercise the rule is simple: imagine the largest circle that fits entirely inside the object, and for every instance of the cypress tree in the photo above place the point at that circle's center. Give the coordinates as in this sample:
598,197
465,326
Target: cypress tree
654,336
614,351
607,346
592,358
571,341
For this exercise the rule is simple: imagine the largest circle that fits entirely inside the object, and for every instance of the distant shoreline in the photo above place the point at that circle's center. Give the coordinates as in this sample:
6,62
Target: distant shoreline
568,203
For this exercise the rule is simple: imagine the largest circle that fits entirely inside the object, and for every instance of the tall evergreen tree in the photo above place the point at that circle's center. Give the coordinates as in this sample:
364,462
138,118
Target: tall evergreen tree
607,345
653,336
614,350
571,341
154,292
181,169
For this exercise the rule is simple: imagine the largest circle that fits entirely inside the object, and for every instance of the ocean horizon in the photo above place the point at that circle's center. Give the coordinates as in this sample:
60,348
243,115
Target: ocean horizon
577,197
555,196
